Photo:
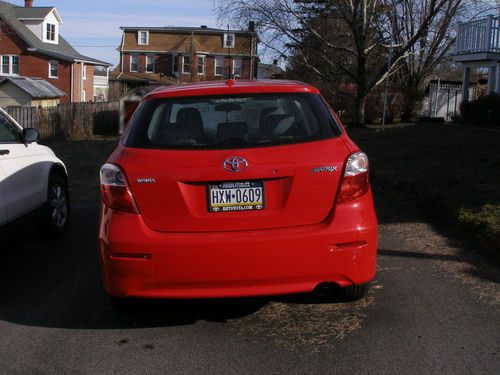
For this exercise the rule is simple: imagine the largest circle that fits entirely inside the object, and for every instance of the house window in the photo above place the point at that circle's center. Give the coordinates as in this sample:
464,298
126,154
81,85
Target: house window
9,65
84,96
5,68
219,65
134,63
228,40
186,64
84,71
51,32
237,67
14,65
150,63
201,65
53,69
143,38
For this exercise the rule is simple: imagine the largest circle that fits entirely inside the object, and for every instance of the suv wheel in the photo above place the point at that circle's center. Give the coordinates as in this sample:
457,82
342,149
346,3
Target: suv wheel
57,212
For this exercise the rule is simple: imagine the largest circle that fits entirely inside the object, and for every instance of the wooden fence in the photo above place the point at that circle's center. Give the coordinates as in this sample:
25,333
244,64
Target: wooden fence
73,121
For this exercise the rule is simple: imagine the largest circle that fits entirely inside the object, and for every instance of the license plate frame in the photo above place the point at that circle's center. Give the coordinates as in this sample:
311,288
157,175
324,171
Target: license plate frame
224,196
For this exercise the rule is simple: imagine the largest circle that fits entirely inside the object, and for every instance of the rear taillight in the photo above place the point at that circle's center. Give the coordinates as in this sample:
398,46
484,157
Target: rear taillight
355,180
115,191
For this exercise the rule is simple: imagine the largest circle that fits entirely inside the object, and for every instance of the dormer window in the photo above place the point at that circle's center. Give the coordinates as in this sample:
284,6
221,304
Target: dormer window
228,40
143,38
50,32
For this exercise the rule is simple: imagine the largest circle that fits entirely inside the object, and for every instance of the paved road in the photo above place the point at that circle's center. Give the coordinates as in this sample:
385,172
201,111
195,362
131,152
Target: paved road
433,309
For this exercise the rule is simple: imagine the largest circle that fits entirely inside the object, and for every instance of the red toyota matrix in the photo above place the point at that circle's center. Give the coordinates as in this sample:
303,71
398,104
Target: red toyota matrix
236,188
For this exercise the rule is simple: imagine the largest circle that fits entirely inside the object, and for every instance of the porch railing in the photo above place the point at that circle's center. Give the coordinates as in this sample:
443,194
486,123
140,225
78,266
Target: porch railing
479,36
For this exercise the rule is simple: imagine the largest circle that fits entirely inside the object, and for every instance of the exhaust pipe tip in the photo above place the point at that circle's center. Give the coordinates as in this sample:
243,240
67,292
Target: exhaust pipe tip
325,289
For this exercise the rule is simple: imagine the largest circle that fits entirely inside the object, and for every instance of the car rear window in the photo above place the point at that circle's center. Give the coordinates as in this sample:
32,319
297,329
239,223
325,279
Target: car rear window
226,122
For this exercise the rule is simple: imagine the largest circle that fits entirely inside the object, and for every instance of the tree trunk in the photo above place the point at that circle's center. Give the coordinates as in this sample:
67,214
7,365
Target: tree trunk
359,110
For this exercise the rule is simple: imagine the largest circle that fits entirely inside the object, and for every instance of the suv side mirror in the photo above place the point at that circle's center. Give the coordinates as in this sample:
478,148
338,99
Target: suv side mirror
30,135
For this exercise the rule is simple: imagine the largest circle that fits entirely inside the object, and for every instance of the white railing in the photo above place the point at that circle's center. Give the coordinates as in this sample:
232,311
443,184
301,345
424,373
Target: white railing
479,36
101,81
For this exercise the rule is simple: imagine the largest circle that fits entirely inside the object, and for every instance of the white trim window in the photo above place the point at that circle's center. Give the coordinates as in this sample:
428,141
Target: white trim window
134,63
237,67
50,32
143,37
84,95
228,40
84,71
219,66
9,65
186,64
201,64
150,63
53,69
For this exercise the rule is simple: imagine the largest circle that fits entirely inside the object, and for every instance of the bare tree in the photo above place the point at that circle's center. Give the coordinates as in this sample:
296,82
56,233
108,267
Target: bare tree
350,37
433,45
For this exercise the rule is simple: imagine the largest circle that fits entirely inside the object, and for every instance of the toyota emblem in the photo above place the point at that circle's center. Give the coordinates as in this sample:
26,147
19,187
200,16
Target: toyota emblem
235,164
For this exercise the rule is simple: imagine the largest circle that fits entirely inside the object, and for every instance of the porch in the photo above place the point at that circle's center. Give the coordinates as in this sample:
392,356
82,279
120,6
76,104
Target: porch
478,46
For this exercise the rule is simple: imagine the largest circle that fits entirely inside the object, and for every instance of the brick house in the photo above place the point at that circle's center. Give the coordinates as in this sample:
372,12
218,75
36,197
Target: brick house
166,55
31,46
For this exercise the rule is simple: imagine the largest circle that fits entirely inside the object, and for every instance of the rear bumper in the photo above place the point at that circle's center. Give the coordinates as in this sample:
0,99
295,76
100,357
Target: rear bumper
139,262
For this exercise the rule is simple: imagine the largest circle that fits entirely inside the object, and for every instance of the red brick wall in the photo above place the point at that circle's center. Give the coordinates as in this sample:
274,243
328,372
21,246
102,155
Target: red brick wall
34,65
88,84
163,64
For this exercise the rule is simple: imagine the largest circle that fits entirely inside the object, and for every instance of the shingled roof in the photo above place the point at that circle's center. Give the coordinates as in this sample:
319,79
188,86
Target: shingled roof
63,50
37,88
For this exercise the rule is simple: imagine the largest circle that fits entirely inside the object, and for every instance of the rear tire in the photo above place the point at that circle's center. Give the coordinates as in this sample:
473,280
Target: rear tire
119,304
56,217
355,291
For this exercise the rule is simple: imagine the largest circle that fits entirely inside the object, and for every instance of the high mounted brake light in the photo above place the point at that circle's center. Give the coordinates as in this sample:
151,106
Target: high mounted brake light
355,180
115,191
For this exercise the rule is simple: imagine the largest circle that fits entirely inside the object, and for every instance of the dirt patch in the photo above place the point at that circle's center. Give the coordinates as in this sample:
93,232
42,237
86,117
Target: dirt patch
295,326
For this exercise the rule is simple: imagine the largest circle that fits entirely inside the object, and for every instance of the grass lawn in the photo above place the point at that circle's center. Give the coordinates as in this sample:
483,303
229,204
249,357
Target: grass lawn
452,171
83,160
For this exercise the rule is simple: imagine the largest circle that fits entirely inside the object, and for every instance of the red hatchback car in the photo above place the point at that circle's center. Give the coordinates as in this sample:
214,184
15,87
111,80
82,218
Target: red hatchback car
236,188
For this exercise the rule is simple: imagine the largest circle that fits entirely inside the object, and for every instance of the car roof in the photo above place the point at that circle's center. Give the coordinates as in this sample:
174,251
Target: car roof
232,87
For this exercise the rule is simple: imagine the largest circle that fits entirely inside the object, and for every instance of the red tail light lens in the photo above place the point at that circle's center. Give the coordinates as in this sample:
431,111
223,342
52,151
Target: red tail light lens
115,191
355,181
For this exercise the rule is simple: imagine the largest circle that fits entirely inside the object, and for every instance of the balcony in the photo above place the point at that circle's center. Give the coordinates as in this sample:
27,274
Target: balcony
101,81
478,40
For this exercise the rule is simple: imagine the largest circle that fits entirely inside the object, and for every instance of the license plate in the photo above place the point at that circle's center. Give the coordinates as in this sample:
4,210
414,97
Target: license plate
236,196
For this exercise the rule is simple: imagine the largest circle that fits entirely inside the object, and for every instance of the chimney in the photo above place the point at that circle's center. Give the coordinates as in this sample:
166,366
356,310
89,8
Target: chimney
28,3
251,26
275,62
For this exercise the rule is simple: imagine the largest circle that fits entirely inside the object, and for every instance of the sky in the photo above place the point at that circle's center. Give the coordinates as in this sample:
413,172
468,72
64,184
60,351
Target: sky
97,23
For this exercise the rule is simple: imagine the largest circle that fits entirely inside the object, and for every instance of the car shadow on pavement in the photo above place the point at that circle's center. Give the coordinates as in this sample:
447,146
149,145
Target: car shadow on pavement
57,284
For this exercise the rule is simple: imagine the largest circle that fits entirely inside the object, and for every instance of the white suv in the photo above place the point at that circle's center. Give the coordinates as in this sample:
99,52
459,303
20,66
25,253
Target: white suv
32,179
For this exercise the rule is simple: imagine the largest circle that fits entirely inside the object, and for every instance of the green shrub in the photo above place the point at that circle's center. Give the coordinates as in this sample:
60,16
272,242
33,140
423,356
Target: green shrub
483,111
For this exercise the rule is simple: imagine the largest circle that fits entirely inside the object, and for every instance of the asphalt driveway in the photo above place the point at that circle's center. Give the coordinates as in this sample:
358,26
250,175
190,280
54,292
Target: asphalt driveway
434,308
